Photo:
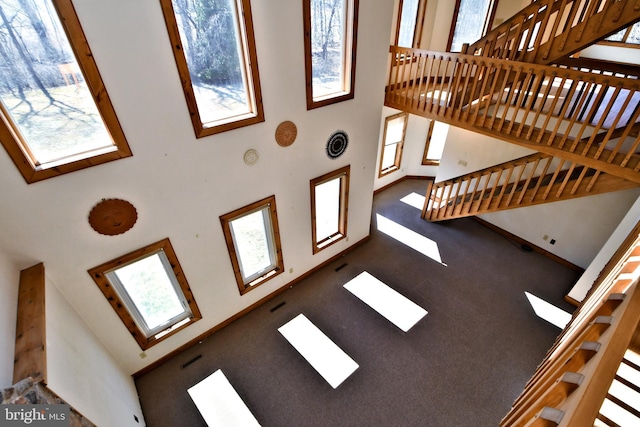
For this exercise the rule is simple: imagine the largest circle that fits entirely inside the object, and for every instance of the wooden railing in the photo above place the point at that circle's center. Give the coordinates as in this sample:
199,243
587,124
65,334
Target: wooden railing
548,30
531,180
584,118
571,383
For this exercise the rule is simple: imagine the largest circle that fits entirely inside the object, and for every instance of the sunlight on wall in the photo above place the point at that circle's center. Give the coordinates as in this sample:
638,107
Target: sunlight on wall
414,199
410,238
548,312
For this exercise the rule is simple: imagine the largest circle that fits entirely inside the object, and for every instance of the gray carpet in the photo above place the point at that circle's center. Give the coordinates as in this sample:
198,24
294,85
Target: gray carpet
461,365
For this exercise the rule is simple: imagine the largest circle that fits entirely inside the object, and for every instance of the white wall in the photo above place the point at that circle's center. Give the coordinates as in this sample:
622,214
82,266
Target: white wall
180,185
586,281
82,371
9,282
580,227
612,53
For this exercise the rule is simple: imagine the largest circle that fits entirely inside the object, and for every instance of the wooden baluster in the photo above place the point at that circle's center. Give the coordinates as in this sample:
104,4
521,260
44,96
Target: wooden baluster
463,94
515,80
556,24
583,173
577,106
515,184
410,87
541,178
443,78
592,112
479,99
428,84
505,79
496,76
593,180
435,84
454,72
455,98
483,192
420,73
493,189
549,114
577,114
604,116
428,202
614,125
521,102
528,181
504,186
562,113
477,74
445,199
553,180
631,153
473,193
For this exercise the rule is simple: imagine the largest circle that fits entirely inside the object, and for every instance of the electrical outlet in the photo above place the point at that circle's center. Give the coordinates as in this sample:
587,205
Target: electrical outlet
552,241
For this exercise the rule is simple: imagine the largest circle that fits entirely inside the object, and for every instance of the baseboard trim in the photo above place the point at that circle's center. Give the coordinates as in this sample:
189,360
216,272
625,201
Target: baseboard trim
529,244
238,315
399,180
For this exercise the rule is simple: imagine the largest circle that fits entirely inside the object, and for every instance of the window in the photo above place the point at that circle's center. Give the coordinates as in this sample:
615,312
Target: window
330,29
409,28
215,52
55,115
148,290
629,35
432,152
392,142
471,21
253,240
329,206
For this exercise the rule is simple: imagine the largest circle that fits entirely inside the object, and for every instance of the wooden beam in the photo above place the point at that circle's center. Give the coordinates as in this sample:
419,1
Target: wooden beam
30,359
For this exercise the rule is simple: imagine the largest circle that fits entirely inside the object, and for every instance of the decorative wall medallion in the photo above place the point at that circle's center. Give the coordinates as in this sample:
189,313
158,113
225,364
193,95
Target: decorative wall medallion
251,157
112,216
286,133
337,144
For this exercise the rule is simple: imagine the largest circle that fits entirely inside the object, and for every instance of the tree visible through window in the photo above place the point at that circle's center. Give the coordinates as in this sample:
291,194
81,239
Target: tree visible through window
330,29
49,116
407,19
215,53
471,20
629,35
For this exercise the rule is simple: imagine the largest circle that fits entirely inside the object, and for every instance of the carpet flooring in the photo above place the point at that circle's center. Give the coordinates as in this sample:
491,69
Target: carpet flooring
463,364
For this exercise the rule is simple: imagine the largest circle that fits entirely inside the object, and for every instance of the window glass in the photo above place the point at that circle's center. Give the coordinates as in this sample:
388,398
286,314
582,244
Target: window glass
329,199
330,28
148,285
629,35
253,241
408,16
149,292
472,21
47,108
392,143
215,54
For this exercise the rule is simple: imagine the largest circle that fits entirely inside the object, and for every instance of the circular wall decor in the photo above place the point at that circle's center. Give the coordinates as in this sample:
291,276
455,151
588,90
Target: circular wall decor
250,157
337,144
286,133
112,216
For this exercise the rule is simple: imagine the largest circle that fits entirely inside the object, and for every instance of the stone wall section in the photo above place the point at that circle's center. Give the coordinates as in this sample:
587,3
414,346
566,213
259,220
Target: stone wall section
27,392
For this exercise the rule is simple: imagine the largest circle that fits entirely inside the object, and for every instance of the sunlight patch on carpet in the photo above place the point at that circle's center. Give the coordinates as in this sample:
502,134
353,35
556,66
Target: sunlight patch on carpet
415,241
414,199
548,311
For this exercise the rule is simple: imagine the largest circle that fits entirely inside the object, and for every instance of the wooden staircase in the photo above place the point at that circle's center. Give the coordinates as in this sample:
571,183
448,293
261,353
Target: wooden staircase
547,31
519,84
578,382
531,180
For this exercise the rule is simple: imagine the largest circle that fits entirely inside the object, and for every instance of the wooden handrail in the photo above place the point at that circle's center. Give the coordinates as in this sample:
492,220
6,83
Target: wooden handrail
561,112
592,344
546,31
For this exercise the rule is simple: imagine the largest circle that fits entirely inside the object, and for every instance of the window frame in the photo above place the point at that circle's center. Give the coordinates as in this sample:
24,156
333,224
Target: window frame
399,145
418,23
277,265
486,26
425,160
16,145
343,174
623,42
120,303
249,62
350,44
